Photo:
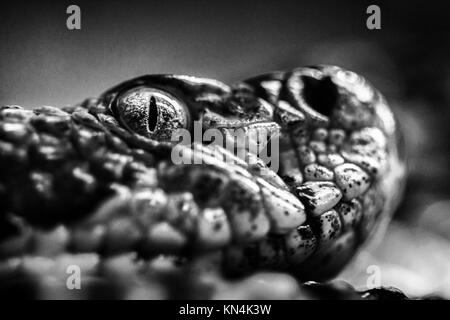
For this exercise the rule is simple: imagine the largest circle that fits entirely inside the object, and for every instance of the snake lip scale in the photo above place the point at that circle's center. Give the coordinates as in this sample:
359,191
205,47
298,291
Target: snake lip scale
100,173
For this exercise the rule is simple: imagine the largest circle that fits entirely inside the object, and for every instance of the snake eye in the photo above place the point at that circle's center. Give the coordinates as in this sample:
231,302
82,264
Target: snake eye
150,112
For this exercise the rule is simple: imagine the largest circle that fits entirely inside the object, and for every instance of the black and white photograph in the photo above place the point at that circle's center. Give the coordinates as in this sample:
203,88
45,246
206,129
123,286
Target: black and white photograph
224,150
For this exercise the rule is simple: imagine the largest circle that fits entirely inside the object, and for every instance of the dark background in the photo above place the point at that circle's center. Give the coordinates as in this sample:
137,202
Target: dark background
43,63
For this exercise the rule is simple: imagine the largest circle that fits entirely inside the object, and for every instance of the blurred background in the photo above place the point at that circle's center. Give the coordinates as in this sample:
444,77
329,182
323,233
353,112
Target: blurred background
43,63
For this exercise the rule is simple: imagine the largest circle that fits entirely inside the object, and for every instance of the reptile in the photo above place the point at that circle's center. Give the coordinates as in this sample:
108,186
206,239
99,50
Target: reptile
98,178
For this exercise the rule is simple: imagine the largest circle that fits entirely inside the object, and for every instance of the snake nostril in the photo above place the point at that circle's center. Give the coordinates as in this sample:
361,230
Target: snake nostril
320,94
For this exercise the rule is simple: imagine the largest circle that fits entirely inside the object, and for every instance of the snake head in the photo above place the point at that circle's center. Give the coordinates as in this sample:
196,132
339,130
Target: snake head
106,164
340,174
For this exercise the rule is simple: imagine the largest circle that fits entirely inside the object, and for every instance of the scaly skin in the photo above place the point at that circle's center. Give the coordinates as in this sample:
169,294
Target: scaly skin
102,172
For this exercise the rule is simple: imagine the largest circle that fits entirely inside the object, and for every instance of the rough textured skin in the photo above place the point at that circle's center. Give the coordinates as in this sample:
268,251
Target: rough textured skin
97,179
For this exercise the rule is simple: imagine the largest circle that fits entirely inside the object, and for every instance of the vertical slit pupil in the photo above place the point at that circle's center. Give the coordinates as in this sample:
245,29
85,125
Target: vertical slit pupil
152,114
320,94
